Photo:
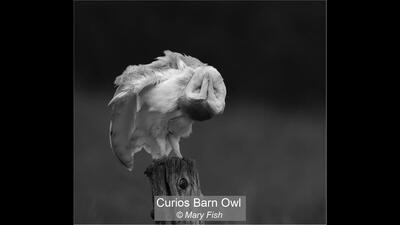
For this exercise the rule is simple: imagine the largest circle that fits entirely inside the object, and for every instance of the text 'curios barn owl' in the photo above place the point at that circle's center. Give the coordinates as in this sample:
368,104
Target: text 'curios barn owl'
155,105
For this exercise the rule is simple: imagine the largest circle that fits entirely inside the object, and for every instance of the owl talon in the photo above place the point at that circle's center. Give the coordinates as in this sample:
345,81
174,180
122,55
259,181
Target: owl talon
174,141
178,154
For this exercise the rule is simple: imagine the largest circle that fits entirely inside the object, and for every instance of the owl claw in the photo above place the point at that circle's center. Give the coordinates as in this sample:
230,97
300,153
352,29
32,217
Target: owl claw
174,141
178,153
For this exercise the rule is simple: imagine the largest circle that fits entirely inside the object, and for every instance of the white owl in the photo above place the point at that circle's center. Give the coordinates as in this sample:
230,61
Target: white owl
155,105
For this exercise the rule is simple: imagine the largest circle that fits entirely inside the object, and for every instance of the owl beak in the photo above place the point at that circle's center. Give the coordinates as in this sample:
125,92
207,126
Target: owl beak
200,101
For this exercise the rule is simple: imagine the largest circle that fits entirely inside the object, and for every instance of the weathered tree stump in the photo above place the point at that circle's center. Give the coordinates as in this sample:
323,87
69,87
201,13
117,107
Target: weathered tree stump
173,176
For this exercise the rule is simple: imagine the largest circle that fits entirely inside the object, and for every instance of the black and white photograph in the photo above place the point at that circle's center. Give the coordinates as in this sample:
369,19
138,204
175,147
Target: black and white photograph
199,112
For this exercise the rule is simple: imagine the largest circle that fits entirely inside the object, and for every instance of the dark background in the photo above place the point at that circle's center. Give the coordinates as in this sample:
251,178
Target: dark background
268,145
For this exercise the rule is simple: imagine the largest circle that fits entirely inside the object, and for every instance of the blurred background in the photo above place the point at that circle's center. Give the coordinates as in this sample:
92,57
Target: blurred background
268,145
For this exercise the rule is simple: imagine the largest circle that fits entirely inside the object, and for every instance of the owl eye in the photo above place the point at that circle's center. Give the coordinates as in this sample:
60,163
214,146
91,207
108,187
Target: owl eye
182,183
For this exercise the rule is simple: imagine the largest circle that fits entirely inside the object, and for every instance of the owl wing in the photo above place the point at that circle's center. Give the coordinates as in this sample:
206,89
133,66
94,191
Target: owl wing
124,106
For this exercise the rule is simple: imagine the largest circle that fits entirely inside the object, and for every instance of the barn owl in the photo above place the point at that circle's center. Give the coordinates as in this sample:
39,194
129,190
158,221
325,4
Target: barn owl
156,104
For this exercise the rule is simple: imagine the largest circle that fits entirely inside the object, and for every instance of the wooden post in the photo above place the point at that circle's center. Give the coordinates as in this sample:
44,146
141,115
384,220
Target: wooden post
173,176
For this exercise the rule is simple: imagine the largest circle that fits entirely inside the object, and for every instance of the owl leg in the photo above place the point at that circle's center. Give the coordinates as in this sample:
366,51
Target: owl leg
169,147
162,143
174,141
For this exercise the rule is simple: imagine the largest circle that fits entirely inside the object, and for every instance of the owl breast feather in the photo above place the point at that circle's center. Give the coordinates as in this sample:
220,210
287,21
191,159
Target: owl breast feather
164,96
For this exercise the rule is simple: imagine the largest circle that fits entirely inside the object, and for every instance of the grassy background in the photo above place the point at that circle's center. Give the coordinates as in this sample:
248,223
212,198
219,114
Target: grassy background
274,158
